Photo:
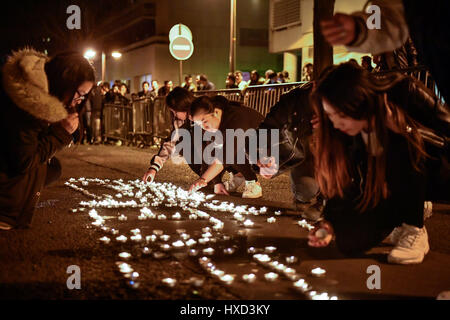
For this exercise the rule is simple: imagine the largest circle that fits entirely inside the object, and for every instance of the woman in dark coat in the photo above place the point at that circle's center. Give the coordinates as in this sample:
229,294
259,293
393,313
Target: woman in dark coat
217,114
39,98
377,161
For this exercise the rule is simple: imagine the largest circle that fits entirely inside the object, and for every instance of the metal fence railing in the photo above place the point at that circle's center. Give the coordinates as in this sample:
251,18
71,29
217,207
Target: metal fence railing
143,120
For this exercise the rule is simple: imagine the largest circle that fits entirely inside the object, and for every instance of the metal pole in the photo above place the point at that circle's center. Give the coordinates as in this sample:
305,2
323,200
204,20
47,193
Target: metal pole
232,35
181,72
103,66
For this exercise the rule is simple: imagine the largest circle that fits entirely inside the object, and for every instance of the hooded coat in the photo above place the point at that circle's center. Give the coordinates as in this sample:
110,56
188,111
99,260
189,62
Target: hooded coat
31,134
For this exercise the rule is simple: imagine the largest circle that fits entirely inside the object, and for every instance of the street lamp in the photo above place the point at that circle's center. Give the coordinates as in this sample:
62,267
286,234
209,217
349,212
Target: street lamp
89,54
116,54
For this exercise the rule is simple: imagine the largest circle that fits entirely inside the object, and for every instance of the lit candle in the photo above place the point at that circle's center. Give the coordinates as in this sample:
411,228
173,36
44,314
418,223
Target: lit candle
169,282
251,250
262,257
125,268
159,255
105,240
191,242
165,247
165,237
227,279
250,278
318,272
158,232
146,250
125,255
229,250
291,259
197,282
208,251
122,218
217,273
184,236
271,276
178,244
270,249
271,220
278,213
162,217
151,238
136,238
122,239
248,223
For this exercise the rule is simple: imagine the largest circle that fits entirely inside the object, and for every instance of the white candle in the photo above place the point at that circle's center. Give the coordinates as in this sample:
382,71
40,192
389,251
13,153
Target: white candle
178,244
229,250
122,218
318,272
105,240
122,239
125,255
191,242
193,252
136,238
271,220
271,276
291,259
176,216
227,279
146,250
250,278
165,237
158,232
169,282
270,249
165,247
208,251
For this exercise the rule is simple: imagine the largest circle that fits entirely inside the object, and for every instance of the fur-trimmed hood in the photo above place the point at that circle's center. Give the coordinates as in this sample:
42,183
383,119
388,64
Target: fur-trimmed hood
25,82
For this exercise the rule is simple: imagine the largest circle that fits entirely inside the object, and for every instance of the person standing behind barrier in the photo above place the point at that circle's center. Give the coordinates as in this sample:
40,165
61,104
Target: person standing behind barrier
96,99
189,84
39,97
219,114
376,162
205,84
255,79
240,80
230,82
164,91
125,95
145,93
179,103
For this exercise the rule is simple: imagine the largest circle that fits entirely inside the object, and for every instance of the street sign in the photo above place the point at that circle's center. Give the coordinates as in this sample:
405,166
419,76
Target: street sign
181,48
180,30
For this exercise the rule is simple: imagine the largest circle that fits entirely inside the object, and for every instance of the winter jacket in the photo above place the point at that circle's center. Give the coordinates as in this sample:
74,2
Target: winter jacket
292,115
31,134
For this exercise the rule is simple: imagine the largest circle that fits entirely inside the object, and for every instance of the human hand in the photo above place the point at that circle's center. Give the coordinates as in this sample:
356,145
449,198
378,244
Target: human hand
321,235
149,176
197,185
268,167
70,124
219,188
339,30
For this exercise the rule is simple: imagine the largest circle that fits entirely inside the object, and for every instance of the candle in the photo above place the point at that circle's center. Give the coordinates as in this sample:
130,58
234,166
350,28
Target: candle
165,237
165,247
169,282
125,255
135,231
159,255
271,220
208,251
227,279
229,250
197,282
114,232
184,236
248,223
136,238
193,252
105,240
291,259
178,244
270,249
125,268
271,276
122,218
191,242
251,250
278,213
158,232
250,278
217,273
151,238
262,257
181,231
122,239
162,217
318,272
146,250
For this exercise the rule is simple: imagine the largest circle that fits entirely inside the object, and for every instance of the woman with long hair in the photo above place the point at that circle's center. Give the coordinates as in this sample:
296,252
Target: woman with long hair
375,161
39,114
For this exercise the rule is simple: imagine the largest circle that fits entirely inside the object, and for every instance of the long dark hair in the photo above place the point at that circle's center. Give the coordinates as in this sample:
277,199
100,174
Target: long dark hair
66,71
358,94
207,104
180,99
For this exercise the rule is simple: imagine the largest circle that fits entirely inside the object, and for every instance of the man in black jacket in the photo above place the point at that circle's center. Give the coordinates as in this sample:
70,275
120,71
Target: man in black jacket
293,115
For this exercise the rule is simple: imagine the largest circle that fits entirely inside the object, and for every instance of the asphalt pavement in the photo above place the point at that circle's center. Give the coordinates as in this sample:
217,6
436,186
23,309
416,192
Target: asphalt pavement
34,261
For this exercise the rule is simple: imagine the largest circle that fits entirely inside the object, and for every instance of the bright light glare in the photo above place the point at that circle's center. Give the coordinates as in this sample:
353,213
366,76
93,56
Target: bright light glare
89,54
116,55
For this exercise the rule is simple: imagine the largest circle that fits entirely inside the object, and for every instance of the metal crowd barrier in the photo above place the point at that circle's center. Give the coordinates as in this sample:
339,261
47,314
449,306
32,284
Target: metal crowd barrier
144,120
140,123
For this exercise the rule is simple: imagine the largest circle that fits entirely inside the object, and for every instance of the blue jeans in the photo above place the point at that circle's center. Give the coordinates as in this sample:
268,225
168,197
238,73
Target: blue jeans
303,185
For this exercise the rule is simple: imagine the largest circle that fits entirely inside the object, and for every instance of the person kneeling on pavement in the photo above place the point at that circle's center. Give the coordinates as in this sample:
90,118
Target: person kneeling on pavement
381,151
229,120
38,117
293,116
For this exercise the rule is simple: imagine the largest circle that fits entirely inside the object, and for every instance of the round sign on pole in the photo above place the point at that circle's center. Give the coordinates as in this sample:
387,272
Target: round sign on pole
180,30
181,48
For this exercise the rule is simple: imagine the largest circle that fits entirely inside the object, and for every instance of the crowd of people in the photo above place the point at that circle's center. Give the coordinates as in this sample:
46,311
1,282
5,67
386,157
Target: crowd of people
364,152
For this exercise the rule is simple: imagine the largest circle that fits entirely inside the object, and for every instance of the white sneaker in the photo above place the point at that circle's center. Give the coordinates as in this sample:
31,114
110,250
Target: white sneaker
411,247
252,190
394,236
234,182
